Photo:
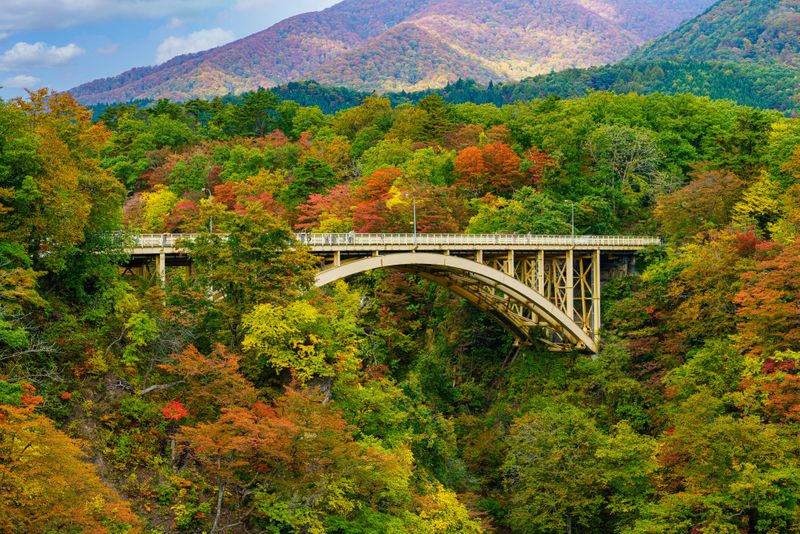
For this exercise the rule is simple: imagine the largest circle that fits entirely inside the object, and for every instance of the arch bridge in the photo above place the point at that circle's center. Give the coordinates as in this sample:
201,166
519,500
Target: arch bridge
537,287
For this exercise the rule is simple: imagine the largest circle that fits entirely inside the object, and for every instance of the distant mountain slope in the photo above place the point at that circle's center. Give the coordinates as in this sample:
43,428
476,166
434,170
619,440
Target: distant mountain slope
407,44
476,39
404,57
764,31
767,87
286,51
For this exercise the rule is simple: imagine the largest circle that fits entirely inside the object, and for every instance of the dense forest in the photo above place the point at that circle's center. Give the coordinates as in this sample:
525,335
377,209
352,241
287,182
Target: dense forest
754,85
387,404
757,33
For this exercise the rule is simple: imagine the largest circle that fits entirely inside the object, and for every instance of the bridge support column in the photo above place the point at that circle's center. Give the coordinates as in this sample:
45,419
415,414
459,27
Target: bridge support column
570,283
479,256
596,323
337,258
510,267
161,267
540,272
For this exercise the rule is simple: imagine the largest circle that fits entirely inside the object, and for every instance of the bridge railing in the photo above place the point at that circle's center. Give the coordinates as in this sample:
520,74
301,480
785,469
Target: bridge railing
471,240
411,240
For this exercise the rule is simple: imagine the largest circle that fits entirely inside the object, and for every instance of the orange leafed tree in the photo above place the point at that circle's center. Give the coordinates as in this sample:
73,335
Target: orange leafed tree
778,387
327,212
494,168
462,137
297,453
46,485
242,441
211,382
369,212
768,302
537,163
66,192
705,203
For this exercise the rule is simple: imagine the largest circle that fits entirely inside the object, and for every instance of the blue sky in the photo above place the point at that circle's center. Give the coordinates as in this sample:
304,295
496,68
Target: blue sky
63,43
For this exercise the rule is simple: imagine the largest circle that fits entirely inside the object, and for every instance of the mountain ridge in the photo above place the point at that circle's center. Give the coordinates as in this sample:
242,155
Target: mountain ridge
372,45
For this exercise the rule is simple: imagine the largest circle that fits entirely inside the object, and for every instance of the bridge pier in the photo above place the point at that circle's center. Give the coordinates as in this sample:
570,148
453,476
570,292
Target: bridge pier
569,267
540,271
596,290
161,267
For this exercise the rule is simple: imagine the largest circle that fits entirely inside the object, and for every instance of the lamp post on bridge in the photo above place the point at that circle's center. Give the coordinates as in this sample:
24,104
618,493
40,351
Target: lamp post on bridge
572,204
211,207
414,204
414,208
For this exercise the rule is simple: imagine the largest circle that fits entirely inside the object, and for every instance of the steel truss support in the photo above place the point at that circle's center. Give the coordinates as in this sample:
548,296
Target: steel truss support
512,300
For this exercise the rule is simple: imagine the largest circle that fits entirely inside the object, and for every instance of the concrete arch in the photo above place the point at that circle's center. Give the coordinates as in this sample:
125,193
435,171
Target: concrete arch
465,278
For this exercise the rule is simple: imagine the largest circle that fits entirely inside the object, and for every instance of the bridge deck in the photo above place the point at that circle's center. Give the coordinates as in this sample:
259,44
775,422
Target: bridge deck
148,244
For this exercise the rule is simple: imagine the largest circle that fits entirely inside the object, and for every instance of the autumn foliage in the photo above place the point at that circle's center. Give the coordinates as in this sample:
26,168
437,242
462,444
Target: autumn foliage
236,396
47,483
767,303
494,168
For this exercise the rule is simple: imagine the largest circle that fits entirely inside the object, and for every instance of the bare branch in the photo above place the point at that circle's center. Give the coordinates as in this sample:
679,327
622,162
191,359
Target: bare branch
158,387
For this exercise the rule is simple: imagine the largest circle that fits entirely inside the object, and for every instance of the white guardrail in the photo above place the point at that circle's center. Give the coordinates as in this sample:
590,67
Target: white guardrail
426,240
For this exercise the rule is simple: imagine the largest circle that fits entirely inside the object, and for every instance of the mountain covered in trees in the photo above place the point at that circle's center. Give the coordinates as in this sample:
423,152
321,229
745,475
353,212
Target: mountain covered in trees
769,87
388,404
407,45
763,32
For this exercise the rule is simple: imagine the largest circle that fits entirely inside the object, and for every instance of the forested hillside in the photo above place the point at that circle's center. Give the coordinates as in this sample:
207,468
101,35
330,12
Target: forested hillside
762,32
387,404
766,87
392,45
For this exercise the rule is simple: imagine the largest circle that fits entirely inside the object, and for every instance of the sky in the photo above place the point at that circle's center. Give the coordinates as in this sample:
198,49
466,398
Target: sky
63,43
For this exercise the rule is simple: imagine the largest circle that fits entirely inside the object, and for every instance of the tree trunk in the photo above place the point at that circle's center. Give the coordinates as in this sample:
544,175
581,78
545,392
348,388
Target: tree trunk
219,509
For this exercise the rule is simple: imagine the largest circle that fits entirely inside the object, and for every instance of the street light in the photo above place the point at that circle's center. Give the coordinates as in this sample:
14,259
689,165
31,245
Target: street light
414,204
211,215
414,207
572,203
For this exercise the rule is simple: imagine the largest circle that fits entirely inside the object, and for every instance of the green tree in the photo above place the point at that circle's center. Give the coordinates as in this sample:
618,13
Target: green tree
257,114
257,263
299,337
628,159
551,471
627,466
189,176
529,211
720,472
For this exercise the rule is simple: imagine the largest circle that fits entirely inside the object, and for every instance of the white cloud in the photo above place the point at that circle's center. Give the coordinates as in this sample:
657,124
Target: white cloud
297,6
38,55
21,81
194,42
26,15
245,5
108,50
